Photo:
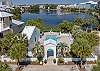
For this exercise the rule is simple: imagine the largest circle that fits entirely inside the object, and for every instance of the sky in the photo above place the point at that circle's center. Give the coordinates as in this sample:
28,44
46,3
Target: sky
47,1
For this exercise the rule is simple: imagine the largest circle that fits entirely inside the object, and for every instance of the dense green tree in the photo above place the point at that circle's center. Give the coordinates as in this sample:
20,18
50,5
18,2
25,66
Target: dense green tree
84,44
50,6
81,48
18,49
35,22
34,8
92,38
79,21
4,67
17,13
66,26
1,47
6,42
92,20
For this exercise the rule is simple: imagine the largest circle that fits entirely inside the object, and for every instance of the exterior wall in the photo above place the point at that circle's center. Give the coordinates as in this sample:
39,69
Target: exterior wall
17,28
0,3
5,22
99,4
76,59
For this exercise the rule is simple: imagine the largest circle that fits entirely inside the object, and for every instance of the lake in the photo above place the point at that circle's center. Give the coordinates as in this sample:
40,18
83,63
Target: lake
53,17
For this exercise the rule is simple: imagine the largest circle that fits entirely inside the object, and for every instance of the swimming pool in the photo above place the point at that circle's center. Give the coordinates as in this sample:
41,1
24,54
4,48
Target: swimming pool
53,37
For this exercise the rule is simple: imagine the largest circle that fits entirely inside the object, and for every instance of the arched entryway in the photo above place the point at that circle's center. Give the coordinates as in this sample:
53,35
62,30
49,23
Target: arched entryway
50,52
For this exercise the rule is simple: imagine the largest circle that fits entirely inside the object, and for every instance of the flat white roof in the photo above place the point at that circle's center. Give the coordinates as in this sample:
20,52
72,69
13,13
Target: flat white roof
28,31
17,22
5,14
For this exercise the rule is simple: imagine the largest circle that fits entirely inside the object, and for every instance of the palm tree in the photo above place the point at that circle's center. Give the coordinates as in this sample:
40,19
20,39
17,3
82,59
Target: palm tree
4,67
60,48
38,48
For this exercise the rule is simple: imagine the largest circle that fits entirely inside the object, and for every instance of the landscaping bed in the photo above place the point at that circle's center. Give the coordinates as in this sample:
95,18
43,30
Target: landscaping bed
35,63
11,62
66,63
91,62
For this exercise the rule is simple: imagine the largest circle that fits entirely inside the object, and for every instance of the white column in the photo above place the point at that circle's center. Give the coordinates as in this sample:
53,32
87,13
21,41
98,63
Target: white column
45,53
55,52
1,25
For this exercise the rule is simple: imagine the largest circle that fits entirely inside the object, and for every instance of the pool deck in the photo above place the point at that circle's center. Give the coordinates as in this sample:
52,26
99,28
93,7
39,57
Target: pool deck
64,38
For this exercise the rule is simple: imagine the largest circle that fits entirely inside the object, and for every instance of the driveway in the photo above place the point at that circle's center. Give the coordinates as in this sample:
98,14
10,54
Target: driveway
50,68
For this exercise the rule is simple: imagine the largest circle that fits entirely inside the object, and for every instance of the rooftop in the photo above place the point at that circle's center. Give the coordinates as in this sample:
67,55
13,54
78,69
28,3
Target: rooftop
16,22
28,31
5,14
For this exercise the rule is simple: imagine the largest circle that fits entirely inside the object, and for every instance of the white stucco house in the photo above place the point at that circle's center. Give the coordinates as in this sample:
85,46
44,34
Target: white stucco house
5,21
9,24
33,35
6,2
89,4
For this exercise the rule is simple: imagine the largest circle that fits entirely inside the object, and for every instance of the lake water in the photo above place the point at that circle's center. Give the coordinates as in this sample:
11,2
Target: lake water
53,17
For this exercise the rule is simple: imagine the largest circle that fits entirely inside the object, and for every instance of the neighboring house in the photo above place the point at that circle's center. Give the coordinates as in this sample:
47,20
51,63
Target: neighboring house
17,26
33,35
90,4
5,21
98,5
6,2
9,24
5,5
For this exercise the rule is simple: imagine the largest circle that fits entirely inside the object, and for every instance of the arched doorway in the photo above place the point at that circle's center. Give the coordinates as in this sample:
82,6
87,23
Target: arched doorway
50,52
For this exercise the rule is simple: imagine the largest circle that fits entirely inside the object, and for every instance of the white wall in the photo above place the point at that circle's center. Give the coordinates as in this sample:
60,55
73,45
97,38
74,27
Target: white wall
35,37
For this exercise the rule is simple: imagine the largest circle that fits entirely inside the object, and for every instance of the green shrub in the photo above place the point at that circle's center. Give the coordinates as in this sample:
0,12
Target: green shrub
40,58
54,60
60,60
45,61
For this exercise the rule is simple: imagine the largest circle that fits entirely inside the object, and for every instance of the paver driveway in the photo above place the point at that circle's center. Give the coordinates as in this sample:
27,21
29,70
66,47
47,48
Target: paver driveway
49,68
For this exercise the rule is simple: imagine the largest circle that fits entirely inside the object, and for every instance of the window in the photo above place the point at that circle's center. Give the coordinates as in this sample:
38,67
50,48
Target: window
35,39
1,35
10,18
